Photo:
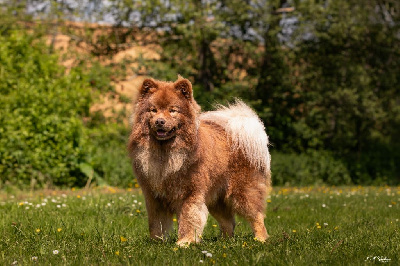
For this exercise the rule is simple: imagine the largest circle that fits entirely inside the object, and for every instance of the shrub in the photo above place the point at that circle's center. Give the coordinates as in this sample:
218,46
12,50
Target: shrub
42,137
312,168
111,161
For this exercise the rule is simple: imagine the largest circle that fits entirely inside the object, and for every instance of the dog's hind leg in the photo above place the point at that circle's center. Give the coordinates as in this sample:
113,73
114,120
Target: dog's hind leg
250,203
225,218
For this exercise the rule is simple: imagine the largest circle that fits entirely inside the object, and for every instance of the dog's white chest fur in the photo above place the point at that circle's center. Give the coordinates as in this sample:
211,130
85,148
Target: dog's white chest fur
157,166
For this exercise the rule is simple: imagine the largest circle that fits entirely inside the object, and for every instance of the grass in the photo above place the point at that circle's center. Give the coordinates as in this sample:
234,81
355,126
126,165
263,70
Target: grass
308,226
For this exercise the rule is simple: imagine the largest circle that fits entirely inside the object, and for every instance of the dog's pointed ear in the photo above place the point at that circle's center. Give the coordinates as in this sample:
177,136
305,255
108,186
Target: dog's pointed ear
149,85
185,87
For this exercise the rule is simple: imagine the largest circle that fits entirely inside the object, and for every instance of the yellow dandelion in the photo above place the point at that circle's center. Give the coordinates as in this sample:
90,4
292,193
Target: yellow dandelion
136,185
244,244
224,255
123,239
336,227
78,196
129,189
318,226
294,231
175,249
37,230
269,201
59,229
214,225
21,203
138,211
73,189
174,220
117,253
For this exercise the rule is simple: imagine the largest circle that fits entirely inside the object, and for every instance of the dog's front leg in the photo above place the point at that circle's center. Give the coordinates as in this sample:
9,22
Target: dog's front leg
192,218
159,218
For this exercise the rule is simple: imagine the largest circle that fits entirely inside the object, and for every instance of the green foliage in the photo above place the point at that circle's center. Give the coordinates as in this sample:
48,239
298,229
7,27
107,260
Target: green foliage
99,78
312,168
110,155
327,92
42,138
348,79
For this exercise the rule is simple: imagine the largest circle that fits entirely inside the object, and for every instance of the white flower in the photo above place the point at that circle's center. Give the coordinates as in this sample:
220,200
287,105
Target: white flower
34,258
209,255
204,252
55,252
323,205
58,206
201,261
325,224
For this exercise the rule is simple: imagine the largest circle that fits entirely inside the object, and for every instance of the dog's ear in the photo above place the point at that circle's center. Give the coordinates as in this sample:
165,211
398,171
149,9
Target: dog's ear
149,85
185,87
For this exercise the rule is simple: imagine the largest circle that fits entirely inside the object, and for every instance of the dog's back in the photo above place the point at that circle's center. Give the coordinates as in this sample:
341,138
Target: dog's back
246,131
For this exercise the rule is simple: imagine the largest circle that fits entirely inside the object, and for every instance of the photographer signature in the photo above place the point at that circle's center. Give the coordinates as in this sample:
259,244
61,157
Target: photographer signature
377,258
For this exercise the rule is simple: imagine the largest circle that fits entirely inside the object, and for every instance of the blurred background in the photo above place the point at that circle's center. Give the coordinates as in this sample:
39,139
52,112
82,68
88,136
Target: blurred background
324,76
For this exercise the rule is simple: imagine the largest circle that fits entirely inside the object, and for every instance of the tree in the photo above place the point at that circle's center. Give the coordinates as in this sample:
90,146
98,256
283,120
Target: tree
348,55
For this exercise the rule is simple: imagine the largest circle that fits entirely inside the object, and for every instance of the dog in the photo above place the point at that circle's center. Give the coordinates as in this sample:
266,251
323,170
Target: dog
190,163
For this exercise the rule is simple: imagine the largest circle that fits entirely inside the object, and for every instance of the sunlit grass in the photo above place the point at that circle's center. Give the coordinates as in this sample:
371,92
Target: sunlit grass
321,225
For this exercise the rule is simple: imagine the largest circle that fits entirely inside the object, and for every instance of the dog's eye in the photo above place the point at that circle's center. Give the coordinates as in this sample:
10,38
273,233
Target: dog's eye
153,110
173,110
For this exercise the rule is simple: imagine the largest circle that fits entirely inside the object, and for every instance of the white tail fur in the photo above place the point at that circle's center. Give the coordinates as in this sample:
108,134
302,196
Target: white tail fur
246,131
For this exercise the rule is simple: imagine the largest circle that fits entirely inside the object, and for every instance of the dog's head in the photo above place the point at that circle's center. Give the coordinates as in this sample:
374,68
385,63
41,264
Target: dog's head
168,107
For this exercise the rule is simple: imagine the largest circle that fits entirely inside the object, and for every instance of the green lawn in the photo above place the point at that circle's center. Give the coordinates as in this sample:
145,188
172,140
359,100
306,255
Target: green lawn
308,226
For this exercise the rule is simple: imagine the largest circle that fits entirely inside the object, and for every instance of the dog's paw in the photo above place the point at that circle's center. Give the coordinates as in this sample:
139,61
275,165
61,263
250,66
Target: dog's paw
183,243
261,238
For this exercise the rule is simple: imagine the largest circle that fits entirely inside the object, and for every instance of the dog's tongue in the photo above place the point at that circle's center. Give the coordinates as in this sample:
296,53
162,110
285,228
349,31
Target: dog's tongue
161,133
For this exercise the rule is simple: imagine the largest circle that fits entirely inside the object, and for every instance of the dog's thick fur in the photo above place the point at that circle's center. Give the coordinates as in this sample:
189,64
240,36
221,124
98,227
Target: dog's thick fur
190,164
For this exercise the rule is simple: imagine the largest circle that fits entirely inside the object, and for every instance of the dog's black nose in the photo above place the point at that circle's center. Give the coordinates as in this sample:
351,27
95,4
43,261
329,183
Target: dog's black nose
160,122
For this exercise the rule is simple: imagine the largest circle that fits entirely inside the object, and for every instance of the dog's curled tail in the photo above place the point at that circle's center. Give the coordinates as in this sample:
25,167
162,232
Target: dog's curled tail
246,131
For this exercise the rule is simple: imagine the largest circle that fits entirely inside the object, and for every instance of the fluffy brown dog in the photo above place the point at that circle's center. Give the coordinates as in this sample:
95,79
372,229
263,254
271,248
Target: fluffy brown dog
190,164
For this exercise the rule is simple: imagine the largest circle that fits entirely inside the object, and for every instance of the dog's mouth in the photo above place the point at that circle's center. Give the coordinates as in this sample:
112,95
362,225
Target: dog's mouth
162,134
